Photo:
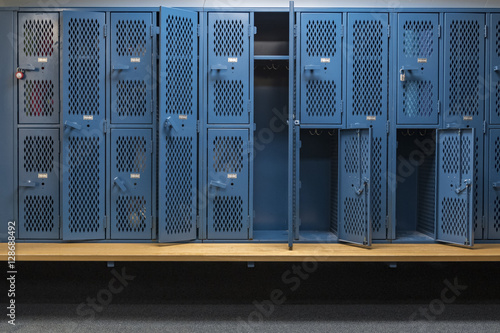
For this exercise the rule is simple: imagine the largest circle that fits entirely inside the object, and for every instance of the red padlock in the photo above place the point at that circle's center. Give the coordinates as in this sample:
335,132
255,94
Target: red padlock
19,74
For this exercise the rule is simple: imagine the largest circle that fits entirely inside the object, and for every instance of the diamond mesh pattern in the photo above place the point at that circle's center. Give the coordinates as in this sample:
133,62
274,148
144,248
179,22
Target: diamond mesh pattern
38,213
179,186
497,154
354,216
454,213
228,154
378,216
477,166
497,100
131,214
228,214
38,38
131,98
321,38
466,158
321,98
131,154
417,99
451,151
351,163
497,39
84,69
464,69
38,154
38,98
131,38
496,214
368,58
228,98
228,38
418,39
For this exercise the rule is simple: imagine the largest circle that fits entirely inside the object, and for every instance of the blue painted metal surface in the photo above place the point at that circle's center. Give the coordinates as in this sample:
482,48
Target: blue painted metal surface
229,68
131,70
228,181
178,116
418,64
494,70
321,68
493,185
293,133
455,186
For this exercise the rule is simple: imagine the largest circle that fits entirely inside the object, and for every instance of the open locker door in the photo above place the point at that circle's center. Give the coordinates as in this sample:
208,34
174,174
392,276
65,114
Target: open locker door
354,186
455,163
177,128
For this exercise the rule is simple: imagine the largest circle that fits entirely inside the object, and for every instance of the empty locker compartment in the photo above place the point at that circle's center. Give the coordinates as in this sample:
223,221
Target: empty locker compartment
321,68
131,68
415,184
228,184
272,34
39,184
418,63
38,53
229,40
494,185
494,70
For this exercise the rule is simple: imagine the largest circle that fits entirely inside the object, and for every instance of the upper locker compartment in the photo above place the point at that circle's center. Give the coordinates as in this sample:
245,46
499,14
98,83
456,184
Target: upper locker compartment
321,68
131,69
229,68
38,52
418,64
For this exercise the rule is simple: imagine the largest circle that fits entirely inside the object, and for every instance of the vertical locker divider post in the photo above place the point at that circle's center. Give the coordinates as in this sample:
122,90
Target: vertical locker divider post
292,205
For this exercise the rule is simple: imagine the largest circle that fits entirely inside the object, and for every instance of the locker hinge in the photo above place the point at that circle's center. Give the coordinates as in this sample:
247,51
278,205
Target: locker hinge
105,32
439,31
484,126
198,221
198,30
198,126
342,30
252,30
295,30
388,127
485,31
154,30
439,107
105,127
389,31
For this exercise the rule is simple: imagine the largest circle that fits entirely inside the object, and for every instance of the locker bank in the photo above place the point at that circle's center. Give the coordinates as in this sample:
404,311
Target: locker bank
293,124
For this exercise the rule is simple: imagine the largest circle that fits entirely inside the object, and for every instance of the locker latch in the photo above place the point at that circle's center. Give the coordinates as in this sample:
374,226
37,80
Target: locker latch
496,68
403,70
120,67
467,183
120,184
360,190
28,183
496,185
169,124
72,125
218,67
217,183
312,67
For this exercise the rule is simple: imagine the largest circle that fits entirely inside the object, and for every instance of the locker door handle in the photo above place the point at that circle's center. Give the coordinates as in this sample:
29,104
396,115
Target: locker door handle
217,184
496,185
360,190
120,67
27,67
496,68
312,67
120,184
467,183
28,183
72,125
169,124
218,67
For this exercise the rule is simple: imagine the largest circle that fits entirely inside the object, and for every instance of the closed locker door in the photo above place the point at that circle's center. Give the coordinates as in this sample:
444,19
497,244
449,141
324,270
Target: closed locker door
455,184
228,180
39,183
355,222
38,52
178,140
464,69
229,68
494,70
494,185
83,184
418,63
131,70
321,68
131,196
367,68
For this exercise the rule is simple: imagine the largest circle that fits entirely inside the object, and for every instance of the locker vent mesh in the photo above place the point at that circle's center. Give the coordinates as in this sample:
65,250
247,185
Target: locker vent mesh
497,154
451,152
228,98
351,151
84,66
355,216
321,38
131,98
38,98
334,169
426,195
228,214
321,98
368,65
378,215
38,156
179,61
464,71
228,154
496,216
84,184
131,214
497,38
466,159
131,154
454,213
418,39
417,99
38,38
131,38
228,38
478,213
497,101
38,213
179,184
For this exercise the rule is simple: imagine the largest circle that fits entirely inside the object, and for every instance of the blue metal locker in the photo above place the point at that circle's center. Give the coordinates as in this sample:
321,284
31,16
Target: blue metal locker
38,183
131,69
228,180
494,185
355,186
464,69
494,70
418,63
455,186
367,71
178,142
321,68
131,151
83,184
229,99
38,52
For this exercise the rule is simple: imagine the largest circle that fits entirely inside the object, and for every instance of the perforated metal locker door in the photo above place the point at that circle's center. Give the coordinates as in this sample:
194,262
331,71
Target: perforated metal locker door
355,186
494,69
455,209
229,68
464,69
131,70
367,61
39,183
38,50
418,64
177,166
131,184
228,180
494,185
321,68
